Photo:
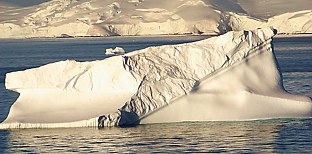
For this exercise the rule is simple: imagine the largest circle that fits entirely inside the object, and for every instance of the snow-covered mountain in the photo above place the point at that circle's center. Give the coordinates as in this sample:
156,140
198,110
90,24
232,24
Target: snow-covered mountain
153,17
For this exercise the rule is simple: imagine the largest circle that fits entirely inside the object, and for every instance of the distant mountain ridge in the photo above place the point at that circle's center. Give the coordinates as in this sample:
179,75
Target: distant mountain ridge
153,17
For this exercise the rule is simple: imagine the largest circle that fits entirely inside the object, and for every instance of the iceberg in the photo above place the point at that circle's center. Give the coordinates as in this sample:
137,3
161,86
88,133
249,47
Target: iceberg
116,51
234,76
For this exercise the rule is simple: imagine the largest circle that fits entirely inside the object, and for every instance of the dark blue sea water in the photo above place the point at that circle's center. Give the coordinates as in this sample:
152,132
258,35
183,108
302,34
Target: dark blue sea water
263,136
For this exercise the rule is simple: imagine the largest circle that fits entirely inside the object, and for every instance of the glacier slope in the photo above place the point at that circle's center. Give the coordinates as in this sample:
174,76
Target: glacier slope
234,76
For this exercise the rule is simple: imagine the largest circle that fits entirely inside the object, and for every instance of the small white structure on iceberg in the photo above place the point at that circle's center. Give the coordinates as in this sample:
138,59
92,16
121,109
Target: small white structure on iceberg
234,76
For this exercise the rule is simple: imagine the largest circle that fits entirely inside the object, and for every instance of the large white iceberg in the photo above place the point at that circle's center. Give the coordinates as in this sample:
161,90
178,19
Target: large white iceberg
234,76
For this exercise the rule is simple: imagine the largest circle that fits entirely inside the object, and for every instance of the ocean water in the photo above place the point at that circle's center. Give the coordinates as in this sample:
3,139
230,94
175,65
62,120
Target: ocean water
294,56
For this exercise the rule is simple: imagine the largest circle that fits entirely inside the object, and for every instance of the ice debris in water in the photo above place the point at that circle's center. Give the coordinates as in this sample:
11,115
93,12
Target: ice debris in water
116,51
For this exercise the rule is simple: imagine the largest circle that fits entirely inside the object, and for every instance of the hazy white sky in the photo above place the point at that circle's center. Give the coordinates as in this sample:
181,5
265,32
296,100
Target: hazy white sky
24,2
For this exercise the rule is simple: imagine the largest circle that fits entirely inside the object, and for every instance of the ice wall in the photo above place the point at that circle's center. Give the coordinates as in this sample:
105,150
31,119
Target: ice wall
68,91
234,76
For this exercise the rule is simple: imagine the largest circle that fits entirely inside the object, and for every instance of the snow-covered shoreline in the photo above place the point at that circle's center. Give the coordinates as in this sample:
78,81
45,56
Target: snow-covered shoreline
146,36
292,35
62,18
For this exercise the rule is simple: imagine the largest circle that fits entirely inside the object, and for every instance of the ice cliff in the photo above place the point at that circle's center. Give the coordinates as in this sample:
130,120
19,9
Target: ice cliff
58,18
234,76
289,23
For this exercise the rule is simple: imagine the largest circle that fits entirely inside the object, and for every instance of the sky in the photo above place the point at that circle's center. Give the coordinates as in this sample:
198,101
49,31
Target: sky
24,2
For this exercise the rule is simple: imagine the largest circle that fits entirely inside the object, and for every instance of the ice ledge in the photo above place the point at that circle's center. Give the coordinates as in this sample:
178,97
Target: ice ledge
83,123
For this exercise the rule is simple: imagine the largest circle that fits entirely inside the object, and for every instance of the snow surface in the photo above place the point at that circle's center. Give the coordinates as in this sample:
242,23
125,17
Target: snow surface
234,76
153,17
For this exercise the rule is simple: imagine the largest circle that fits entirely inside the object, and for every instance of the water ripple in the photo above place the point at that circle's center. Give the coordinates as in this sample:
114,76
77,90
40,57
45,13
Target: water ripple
269,136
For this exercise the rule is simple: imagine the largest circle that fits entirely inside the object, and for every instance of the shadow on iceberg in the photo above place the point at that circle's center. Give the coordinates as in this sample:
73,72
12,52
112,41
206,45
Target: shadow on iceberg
234,76
126,119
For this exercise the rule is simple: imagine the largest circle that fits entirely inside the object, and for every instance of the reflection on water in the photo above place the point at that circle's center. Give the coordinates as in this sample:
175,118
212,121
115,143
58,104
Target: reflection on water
266,136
